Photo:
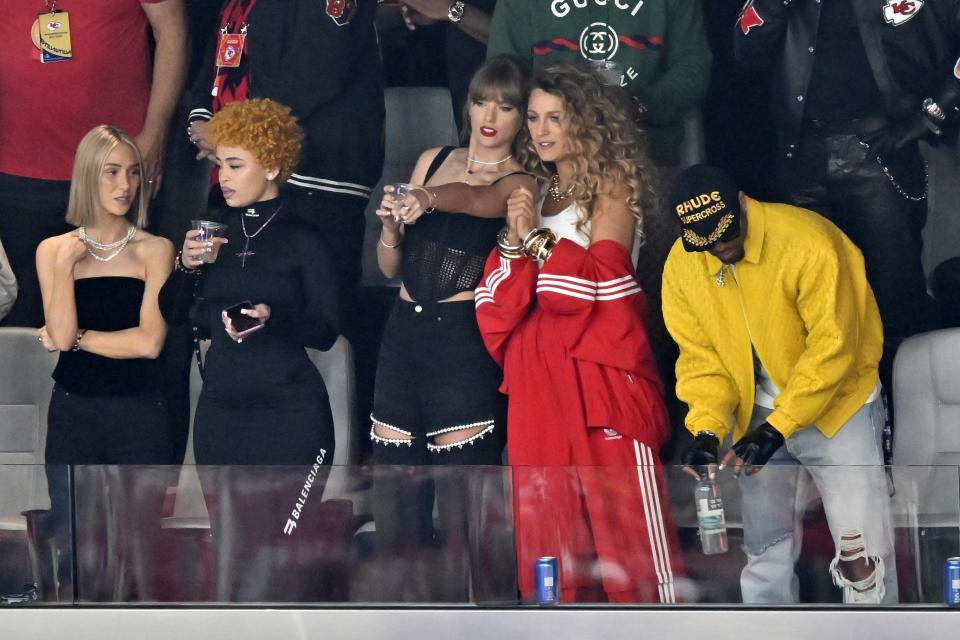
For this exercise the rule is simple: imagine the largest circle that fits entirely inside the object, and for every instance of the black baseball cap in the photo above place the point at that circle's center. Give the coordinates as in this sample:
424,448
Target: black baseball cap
707,202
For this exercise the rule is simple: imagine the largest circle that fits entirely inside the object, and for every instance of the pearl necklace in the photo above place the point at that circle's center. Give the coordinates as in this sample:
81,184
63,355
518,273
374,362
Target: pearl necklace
486,162
467,171
554,190
119,245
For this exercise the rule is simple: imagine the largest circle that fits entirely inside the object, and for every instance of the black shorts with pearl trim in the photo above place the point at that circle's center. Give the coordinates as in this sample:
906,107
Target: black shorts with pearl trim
434,377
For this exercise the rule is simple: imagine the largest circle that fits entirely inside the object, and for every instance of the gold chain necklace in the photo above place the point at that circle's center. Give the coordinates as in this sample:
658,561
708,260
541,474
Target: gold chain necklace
554,190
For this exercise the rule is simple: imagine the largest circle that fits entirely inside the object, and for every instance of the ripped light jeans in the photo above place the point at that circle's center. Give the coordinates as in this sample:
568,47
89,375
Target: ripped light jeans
848,473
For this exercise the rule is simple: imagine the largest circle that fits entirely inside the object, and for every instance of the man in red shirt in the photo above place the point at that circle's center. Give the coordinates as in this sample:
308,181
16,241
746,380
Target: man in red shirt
46,106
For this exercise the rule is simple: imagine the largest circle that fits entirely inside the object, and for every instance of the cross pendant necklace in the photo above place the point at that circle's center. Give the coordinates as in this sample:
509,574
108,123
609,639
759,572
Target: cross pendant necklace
250,236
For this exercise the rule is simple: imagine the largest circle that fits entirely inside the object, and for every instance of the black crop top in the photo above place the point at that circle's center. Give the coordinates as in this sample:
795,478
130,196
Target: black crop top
444,252
107,303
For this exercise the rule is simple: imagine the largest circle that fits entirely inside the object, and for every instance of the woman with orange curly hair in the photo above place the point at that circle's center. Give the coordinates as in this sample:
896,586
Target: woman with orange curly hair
270,292
560,308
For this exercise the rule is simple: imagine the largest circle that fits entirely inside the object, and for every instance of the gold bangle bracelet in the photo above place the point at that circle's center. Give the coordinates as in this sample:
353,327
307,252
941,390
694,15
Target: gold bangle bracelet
389,246
546,250
510,254
431,198
539,243
507,250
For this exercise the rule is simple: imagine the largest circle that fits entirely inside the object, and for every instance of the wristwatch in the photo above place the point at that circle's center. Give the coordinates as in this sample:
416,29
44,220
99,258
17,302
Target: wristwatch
933,110
455,12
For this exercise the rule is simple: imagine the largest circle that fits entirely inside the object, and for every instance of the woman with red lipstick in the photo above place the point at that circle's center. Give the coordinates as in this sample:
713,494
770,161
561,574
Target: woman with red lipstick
560,309
436,400
100,287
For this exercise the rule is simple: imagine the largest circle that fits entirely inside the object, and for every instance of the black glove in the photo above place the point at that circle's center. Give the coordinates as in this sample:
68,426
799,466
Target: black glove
887,141
756,447
704,451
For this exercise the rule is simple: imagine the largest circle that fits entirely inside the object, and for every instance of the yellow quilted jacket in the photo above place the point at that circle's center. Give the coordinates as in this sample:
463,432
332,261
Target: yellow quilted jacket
800,295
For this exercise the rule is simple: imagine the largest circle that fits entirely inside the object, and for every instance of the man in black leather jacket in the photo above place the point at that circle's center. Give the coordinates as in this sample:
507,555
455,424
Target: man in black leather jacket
855,85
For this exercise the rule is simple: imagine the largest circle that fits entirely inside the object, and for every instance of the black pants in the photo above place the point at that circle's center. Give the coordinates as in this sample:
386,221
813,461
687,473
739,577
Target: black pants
108,430
435,376
30,211
833,175
101,431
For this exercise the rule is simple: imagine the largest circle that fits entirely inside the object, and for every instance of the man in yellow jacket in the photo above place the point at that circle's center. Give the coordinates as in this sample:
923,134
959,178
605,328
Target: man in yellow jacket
780,338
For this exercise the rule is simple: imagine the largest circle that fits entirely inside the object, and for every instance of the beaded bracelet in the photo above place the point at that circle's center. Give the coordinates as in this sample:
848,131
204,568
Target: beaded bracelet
179,266
76,343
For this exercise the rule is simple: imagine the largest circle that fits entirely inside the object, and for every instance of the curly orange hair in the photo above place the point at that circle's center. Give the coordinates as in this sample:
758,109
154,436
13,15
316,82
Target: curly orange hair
263,127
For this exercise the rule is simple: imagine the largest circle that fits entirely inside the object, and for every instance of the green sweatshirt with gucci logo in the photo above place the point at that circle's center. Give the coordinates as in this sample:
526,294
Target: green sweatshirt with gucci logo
660,45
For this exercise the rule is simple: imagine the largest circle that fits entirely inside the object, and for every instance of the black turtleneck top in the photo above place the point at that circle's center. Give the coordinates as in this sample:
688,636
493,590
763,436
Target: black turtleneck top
290,271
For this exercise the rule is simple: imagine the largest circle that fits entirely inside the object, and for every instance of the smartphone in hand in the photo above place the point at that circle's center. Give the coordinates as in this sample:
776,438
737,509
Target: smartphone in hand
243,324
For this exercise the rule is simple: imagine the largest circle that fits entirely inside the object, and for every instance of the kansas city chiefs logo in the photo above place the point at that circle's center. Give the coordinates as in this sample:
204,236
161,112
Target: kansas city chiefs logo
341,11
897,12
749,18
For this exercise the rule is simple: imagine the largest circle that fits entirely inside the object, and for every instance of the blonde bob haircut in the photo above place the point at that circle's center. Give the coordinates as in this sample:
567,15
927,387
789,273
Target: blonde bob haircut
88,164
263,127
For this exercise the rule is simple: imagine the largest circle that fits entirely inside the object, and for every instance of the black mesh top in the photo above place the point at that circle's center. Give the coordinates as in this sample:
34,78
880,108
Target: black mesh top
107,303
444,252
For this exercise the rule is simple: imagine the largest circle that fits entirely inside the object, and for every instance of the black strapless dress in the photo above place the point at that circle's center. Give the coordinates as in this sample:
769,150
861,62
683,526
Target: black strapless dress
108,410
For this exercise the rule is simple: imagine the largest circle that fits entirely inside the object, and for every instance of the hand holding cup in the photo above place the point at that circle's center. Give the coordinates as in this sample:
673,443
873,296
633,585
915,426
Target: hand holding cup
202,243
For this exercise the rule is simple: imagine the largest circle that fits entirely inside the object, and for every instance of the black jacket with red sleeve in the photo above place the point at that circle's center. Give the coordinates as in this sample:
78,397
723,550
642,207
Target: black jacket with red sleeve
321,58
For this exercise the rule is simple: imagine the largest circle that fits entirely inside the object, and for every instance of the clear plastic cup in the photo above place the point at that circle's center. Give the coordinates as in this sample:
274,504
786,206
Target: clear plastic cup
210,231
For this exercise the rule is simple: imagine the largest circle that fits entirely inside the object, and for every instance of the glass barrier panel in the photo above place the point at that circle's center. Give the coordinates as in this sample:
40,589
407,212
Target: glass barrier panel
36,542
476,536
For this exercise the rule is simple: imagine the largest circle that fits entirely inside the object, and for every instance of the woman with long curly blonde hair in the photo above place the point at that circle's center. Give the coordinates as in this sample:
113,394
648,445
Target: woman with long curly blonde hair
560,308
605,151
